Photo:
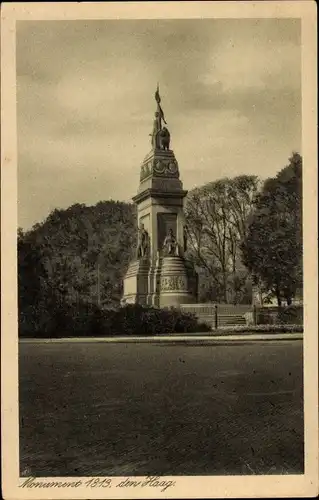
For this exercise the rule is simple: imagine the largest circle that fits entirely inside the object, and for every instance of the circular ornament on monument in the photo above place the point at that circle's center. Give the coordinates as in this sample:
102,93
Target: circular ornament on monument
172,167
159,167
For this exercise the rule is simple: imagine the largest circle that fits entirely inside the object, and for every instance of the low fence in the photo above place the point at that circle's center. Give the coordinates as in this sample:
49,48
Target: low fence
223,315
208,309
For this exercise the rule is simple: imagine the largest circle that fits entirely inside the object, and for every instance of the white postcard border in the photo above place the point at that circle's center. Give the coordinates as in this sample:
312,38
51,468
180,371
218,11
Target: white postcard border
186,486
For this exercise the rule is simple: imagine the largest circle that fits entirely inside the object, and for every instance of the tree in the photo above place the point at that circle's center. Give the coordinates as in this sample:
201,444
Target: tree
32,283
76,256
216,216
272,248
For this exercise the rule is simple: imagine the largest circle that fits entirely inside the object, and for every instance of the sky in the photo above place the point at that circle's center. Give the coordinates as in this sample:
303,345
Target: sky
230,89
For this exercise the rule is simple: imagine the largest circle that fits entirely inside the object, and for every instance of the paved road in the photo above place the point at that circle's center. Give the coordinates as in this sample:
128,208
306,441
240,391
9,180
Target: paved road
161,408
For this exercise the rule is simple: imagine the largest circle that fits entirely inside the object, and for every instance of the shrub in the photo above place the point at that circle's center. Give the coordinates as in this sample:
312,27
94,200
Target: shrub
259,329
289,315
81,319
85,320
138,320
266,317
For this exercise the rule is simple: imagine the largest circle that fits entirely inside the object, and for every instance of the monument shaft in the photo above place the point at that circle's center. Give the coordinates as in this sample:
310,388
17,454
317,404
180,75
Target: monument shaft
160,275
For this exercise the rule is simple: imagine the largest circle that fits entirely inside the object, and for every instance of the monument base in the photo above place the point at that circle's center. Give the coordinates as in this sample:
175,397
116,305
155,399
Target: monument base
170,283
136,283
178,282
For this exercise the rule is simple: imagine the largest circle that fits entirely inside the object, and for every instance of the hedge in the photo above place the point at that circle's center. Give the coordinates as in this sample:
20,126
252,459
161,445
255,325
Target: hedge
82,320
279,328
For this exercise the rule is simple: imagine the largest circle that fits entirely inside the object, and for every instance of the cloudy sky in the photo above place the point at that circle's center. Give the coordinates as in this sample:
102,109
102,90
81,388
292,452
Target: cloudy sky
85,103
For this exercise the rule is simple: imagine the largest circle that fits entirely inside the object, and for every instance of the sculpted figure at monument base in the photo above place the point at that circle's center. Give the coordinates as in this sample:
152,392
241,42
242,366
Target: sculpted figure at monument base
143,242
170,245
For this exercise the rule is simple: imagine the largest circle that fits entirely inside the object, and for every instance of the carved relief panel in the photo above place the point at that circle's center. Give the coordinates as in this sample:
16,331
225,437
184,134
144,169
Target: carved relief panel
166,168
173,283
161,167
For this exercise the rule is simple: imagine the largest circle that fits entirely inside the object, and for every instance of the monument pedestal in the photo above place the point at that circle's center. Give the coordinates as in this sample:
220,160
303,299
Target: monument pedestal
170,282
136,283
154,281
178,283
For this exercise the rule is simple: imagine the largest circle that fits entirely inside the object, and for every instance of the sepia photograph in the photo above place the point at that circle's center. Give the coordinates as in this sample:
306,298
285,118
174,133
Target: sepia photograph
160,252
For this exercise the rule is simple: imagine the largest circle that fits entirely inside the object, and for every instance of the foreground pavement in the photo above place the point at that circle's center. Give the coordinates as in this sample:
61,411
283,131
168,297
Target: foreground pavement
174,338
161,407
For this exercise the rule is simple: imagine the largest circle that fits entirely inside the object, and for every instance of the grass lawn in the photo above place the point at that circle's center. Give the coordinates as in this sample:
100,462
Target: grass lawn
161,408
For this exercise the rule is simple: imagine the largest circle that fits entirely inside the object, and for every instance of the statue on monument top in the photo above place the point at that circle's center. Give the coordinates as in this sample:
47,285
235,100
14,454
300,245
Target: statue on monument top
164,138
160,135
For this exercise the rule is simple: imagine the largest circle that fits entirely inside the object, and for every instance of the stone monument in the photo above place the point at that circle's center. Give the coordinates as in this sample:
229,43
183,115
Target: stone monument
160,275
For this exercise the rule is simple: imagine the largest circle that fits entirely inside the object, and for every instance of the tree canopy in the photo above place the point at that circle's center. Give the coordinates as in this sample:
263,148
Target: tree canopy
217,215
78,254
272,248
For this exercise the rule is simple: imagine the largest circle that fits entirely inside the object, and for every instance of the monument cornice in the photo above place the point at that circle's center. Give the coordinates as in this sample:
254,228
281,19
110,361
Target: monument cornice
156,193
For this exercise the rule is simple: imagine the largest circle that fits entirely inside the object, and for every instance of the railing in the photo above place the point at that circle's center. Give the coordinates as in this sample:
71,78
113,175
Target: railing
244,314
222,308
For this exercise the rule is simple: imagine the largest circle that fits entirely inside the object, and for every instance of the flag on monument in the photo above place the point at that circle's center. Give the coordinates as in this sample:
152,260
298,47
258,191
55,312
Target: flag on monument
158,100
157,96
162,114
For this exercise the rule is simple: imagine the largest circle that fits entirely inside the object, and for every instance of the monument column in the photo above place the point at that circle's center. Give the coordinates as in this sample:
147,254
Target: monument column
160,275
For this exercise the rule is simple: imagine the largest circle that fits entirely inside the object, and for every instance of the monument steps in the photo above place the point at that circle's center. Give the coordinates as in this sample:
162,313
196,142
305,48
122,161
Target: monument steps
222,319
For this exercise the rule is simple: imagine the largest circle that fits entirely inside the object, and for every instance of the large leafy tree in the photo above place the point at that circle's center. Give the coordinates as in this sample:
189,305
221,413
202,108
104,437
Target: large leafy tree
216,217
272,248
75,256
